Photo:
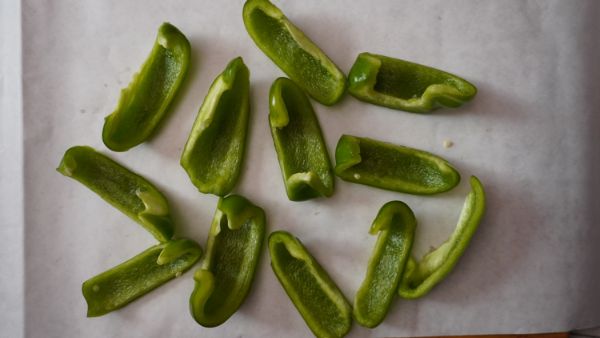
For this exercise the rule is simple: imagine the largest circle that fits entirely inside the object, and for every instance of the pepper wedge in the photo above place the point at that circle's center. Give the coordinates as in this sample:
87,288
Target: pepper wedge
144,103
119,286
214,151
404,85
293,52
392,167
232,253
299,144
420,277
123,189
319,301
396,226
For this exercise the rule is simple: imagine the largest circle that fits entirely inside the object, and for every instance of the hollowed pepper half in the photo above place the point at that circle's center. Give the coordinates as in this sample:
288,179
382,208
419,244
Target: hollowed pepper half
119,286
404,85
123,189
293,52
396,225
420,277
144,103
299,144
232,253
215,148
319,301
393,167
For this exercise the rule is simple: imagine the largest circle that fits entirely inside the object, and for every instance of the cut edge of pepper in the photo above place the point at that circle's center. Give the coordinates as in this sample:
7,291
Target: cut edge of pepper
176,248
347,153
300,181
279,116
156,216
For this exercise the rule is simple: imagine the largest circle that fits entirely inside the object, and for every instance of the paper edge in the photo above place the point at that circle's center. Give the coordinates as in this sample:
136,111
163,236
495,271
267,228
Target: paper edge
11,156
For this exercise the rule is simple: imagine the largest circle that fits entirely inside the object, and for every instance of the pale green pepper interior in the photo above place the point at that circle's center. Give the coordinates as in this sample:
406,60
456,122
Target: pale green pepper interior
300,141
300,277
406,80
289,55
216,151
132,279
232,258
384,163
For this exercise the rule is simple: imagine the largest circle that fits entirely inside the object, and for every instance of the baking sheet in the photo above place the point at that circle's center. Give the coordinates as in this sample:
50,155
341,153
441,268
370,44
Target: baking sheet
529,135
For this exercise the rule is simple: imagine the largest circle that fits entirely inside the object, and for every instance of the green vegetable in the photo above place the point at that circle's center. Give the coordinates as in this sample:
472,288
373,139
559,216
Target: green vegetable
214,150
293,52
123,189
404,85
232,253
317,298
392,167
145,101
119,286
421,277
299,143
396,225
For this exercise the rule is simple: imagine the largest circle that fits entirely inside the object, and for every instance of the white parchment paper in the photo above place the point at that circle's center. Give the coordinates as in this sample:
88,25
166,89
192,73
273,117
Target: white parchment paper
530,135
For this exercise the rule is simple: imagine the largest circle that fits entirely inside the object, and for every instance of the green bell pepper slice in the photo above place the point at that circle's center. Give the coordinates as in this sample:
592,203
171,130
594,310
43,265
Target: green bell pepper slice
396,226
393,167
299,144
293,52
123,189
318,299
214,151
126,282
420,277
404,85
232,253
144,103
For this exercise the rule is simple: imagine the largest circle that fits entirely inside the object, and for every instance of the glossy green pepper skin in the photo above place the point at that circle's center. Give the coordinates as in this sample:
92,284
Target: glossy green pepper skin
232,253
119,286
404,85
393,167
320,302
144,103
123,189
299,144
396,226
420,277
293,52
214,151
